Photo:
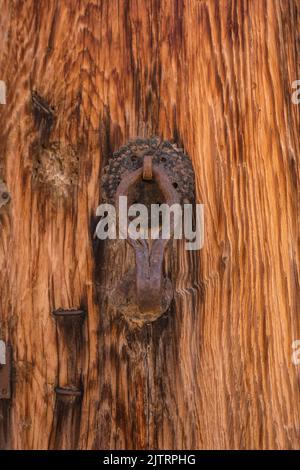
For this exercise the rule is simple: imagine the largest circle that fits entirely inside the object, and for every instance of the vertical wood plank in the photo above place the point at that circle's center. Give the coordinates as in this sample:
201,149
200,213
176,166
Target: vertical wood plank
216,77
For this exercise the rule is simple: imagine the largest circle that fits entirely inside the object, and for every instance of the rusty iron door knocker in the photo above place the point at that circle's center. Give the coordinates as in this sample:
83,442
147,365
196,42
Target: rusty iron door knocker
149,171
149,260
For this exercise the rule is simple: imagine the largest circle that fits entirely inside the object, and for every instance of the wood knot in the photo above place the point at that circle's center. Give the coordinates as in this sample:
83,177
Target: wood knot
55,167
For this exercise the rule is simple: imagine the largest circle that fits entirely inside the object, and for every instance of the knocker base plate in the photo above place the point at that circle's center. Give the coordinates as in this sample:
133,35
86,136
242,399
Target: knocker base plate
166,155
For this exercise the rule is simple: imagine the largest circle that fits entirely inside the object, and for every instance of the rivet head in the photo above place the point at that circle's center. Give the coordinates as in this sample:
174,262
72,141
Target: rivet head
4,194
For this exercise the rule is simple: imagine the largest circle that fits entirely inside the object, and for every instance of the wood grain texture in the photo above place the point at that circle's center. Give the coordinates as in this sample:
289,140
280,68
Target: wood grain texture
82,78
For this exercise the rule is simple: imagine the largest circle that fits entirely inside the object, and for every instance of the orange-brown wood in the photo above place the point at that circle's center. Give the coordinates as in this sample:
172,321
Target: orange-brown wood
82,78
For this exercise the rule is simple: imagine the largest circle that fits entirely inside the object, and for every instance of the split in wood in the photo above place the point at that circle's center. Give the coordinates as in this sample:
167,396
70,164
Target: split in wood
44,116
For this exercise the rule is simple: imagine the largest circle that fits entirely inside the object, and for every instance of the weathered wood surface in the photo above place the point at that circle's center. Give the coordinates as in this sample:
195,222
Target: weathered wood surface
82,78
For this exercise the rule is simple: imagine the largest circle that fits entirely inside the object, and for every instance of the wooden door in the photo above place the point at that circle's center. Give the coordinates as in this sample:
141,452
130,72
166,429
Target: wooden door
83,78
